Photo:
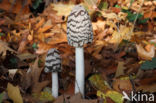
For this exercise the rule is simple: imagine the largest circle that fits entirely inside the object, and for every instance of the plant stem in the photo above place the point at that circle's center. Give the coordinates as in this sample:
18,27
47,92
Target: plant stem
79,83
137,16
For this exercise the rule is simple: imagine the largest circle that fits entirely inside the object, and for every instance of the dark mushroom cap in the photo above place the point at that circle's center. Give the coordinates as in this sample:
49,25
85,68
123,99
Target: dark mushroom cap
53,61
79,27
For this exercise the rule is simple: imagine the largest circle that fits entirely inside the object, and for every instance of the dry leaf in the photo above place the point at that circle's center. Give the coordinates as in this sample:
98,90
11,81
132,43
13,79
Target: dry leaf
40,23
32,76
4,47
143,54
35,75
124,33
25,56
65,11
77,98
148,47
14,93
122,85
41,30
43,48
12,72
120,69
147,88
99,25
17,7
24,41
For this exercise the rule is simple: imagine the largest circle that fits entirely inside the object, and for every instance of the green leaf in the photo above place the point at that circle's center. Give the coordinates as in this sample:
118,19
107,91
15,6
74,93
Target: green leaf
131,17
148,65
115,96
117,6
35,5
103,5
153,43
34,45
1,97
44,96
13,60
143,21
2,34
98,82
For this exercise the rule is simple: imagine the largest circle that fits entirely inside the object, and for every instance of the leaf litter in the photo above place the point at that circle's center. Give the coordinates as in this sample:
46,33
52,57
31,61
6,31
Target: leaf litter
123,45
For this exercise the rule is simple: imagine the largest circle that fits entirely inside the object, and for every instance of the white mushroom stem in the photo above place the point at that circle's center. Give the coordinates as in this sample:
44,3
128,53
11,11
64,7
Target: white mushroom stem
55,84
79,83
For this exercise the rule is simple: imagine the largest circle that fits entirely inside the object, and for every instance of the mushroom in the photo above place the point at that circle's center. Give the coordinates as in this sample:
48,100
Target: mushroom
53,64
79,32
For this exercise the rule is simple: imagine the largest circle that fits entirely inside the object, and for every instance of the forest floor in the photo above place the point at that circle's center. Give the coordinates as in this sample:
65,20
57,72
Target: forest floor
120,59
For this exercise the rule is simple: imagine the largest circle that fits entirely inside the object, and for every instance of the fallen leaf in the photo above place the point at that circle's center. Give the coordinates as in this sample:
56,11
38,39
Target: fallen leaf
65,11
40,23
143,54
120,69
122,85
1,97
98,82
77,98
26,55
14,93
148,65
147,88
41,30
24,41
31,78
115,96
35,74
4,47
16,6
124,33
12,72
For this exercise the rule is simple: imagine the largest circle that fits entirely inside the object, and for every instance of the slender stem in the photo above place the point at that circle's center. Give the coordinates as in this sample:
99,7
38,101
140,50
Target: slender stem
79,83
137,16
55,84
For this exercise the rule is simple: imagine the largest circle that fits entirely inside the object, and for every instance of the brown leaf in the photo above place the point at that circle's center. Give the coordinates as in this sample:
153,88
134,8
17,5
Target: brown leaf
73,99
150,14
120,85
78,99
43,48
32,78
62,99
147,88
116,10
120,69
4,47
41,30
24,41
17,7
40,23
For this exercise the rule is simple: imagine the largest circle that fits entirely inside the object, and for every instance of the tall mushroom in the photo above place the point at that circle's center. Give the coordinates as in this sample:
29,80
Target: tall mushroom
53,64
79,32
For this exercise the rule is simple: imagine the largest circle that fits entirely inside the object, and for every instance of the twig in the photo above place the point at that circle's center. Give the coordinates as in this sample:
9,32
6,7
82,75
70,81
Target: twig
136,16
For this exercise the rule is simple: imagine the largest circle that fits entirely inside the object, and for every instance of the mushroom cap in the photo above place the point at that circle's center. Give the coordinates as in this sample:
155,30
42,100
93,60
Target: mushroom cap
53,61
79,27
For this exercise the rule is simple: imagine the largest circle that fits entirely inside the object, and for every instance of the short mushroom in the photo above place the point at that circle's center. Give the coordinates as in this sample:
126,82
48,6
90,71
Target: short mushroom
79,32
53,64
